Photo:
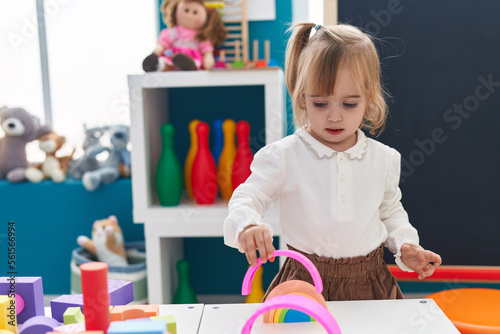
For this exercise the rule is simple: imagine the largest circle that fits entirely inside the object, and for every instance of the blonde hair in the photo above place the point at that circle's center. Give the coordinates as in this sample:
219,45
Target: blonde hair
312,64
213,30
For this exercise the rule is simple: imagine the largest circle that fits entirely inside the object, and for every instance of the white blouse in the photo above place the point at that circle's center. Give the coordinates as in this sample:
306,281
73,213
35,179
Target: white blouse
333,204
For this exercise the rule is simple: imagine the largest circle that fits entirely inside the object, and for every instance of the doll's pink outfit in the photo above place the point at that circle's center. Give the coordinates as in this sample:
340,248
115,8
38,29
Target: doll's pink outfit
182,40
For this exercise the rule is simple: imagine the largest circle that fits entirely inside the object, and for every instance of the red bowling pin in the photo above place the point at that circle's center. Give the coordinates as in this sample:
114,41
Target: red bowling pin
204,174
244,156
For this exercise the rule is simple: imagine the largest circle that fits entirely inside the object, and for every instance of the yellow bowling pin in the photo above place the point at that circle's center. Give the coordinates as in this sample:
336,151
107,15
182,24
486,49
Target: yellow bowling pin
188,165
226,159
257,293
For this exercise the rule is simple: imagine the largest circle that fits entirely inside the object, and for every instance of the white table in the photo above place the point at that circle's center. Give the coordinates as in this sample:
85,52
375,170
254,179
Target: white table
354,317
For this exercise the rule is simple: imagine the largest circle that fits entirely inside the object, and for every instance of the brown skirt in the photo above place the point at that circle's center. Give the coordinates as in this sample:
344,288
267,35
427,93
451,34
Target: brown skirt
358,278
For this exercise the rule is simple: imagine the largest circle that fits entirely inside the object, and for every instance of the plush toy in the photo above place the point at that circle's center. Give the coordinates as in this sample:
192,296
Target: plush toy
189,39
107,242
53,167
20,128
92,146
117,164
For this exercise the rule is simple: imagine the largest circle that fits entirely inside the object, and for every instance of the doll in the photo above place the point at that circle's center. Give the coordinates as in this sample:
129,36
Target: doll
188,42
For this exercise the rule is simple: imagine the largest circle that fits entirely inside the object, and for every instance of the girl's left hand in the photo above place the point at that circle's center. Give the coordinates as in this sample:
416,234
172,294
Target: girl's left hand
419,260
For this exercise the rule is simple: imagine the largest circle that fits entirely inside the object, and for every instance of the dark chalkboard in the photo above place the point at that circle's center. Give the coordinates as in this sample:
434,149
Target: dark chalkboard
441,64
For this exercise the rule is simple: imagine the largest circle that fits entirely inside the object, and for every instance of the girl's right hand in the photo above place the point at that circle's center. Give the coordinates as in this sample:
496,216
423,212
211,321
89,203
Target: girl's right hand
253,238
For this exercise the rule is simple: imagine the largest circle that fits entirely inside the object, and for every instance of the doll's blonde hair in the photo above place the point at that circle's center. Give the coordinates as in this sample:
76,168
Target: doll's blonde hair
213,30
312,63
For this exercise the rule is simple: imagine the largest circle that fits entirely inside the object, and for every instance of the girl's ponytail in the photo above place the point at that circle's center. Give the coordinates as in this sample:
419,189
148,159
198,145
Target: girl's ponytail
296,43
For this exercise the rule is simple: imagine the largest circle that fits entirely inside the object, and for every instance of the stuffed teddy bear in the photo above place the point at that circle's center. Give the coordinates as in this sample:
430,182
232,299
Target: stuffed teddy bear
189,39
92,147
53,167
117,164
20,128
106,243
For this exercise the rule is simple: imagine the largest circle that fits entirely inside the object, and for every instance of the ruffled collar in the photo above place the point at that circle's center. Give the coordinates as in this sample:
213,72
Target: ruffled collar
323,151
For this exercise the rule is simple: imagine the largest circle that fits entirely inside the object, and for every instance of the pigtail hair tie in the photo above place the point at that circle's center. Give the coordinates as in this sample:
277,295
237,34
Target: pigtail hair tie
317,26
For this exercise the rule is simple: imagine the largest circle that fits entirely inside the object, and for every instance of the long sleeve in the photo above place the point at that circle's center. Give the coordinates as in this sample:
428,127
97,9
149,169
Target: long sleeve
251,199
393,215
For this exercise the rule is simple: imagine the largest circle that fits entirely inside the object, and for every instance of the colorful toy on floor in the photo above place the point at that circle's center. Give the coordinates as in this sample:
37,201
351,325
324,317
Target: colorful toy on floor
126,312
20,128
204,174
184,293
8,318
292,289
188,164
226,159
106,243
188,41
53,167
168,170
137,327
244,156
39,324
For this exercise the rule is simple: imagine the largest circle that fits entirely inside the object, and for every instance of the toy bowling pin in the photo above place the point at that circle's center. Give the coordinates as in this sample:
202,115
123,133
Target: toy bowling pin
168,170
226,159
204,174
188,164
184,293
244,156
95,296
217,146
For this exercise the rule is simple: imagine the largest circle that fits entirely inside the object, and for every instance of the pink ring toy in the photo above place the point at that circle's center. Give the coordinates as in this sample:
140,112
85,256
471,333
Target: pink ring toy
318,284
299,303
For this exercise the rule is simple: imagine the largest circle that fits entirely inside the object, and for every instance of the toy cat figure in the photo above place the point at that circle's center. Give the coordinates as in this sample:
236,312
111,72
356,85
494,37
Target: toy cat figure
107,242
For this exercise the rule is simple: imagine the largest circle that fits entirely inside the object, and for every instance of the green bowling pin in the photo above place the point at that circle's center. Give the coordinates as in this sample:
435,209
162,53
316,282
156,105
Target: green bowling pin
185,293
168,170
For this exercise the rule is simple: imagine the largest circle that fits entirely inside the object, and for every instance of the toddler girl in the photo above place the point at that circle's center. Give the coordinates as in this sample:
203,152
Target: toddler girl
336,190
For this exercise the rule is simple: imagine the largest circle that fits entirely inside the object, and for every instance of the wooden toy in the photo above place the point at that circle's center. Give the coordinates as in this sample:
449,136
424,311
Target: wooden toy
257,293
170,320
120,293
188,164
184,293
226,159
256,62
221,63
137,327
95,295
292,288
218,139
39,324
244,156
73,315
30,294
168,170
472,310
237,63
204,174
236,24
125,312
8,318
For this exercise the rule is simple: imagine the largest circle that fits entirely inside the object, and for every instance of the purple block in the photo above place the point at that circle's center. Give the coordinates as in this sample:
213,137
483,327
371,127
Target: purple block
59,305
71,328
31,289
39,324
120,293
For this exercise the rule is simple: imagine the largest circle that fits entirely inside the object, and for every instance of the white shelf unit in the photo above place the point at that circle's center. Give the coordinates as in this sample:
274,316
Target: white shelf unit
164,227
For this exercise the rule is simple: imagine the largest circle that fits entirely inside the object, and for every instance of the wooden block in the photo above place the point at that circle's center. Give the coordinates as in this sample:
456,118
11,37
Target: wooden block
124,312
